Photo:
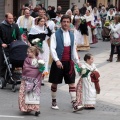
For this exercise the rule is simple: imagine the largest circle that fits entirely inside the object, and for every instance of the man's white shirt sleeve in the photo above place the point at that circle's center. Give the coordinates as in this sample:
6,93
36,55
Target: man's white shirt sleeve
53,47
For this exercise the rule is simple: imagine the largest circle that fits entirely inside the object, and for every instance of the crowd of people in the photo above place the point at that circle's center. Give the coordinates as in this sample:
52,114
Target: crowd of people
61,35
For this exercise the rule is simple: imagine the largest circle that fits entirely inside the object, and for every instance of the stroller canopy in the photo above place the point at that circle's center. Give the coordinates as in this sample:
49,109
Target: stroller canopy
18,50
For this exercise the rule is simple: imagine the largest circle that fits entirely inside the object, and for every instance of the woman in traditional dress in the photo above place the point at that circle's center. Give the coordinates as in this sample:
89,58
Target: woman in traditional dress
88,87
51,25
91,27
84,33
42,31
77,33
103,14
96,13
69,12
29,94
110,15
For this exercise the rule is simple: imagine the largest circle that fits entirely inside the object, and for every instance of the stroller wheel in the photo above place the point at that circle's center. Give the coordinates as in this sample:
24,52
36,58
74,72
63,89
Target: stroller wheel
2,83
13,88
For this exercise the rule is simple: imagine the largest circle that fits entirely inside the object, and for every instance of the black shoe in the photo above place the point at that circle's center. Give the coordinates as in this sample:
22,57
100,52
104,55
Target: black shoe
42,84
37,113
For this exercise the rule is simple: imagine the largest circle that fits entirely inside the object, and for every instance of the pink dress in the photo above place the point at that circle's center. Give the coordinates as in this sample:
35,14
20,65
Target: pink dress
30,72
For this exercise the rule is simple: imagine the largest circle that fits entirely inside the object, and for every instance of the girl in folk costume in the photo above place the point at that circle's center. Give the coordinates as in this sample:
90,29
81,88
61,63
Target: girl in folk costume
42,31
77,33
29,94
91,27
98,24
88,85
84,33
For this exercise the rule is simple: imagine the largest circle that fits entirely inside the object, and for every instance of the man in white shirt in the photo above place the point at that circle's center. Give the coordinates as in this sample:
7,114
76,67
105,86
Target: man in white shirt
63,51
25,21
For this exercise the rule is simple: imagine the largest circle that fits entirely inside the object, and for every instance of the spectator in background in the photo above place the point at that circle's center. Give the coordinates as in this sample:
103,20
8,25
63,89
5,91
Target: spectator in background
83,9
89,7
100,7
59,8
39,6
52,13
9,32
58,16
25,21
41,14
43,6
21,12
69,12
35,12
26,4
74,8
49,9
73,5
31,9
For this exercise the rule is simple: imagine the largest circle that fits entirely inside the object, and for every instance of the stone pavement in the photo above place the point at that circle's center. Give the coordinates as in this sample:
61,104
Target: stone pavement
108,102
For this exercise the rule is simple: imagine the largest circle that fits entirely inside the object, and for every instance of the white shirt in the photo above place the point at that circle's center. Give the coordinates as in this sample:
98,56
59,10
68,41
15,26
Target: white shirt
98,22
116,30
58,18
51,25
25,22
109,15
90,18
67,42
77,17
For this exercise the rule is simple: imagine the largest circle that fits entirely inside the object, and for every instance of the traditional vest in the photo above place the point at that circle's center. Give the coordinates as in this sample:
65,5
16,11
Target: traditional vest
29,23
60,43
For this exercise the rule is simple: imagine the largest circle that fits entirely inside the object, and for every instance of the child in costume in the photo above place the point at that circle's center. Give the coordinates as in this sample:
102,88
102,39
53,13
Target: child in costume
88,85
29,93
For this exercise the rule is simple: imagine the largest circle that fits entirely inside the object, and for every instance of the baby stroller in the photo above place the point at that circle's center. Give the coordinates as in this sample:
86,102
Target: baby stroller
106,31
14,59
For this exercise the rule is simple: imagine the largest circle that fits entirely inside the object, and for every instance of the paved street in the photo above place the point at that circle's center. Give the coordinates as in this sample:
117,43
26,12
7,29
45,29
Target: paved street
108,102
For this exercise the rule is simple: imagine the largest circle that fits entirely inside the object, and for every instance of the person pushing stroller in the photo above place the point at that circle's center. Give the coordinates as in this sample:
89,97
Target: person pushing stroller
9,31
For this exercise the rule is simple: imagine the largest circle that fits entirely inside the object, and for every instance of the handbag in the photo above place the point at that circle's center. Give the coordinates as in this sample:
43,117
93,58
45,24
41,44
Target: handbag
32,98
115,41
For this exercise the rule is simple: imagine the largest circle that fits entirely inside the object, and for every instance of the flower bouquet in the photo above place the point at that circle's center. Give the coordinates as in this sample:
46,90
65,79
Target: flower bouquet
41,65
39,44
83,72
82,20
